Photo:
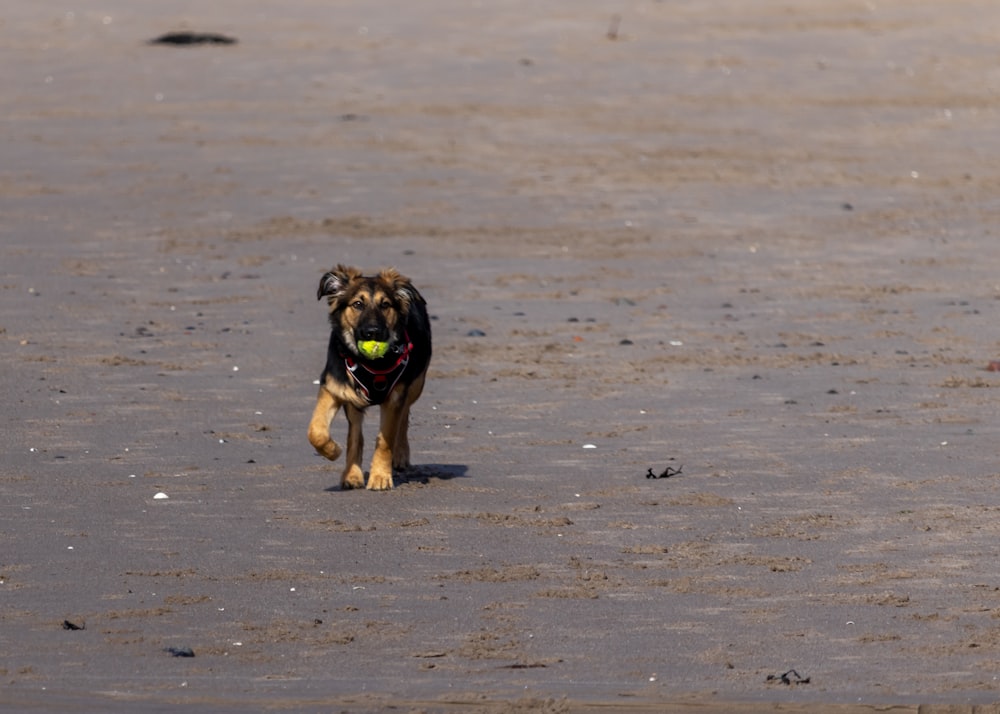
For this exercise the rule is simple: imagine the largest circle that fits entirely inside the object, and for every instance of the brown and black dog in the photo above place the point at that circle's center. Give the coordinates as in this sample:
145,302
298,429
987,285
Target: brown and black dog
385,308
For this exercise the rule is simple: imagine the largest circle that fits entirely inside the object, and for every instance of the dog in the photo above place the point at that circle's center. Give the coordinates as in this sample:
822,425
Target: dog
382,308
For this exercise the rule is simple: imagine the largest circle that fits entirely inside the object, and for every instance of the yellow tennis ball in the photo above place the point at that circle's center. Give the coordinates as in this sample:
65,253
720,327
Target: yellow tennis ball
372,349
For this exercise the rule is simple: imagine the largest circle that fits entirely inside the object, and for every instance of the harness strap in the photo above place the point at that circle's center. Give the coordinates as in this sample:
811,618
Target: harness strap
375,384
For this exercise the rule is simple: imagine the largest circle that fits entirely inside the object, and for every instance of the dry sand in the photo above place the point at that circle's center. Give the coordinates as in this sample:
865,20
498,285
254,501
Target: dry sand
750,240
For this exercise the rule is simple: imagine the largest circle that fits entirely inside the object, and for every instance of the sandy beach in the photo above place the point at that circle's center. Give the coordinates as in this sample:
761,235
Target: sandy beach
749,246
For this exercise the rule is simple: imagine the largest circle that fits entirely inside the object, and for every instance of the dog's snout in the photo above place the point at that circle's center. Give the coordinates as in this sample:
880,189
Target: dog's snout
371,332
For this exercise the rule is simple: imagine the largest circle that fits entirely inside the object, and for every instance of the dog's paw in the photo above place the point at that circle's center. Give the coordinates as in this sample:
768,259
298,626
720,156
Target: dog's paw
379,480
319,437
353,477
331,450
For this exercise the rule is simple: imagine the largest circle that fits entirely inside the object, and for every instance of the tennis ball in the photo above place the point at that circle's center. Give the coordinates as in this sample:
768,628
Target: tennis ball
373,349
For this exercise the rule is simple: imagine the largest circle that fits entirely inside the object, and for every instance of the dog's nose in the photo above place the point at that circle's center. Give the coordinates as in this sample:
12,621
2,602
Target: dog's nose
370,332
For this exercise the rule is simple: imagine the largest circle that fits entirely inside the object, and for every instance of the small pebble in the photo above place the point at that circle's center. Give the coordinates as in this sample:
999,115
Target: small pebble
180,651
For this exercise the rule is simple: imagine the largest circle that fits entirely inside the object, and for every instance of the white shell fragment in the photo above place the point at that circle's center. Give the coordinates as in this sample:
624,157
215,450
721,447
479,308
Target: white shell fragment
160,495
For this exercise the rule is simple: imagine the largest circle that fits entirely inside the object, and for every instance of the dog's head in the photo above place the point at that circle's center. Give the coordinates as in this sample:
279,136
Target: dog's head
367,307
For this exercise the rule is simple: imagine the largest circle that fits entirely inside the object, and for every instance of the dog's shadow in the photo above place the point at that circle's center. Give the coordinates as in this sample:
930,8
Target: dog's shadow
422,474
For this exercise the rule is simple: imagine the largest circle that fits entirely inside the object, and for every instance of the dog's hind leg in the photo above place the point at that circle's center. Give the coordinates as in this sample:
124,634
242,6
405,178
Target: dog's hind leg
353,476
319,425
401,449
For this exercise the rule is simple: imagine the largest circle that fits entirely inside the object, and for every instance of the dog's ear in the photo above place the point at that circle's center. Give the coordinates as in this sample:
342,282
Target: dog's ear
329,285
333,283
401,287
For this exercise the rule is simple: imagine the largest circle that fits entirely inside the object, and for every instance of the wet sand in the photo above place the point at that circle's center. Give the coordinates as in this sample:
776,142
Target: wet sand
753,242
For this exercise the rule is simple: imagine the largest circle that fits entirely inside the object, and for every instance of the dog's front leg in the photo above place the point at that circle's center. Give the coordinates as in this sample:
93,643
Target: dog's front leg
353,476
380,476
319,425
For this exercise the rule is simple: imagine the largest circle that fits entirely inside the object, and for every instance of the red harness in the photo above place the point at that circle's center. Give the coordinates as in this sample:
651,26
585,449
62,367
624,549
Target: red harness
375,384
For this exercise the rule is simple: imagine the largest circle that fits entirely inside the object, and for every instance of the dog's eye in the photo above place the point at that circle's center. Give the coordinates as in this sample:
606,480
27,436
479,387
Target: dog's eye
358,305
386,305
